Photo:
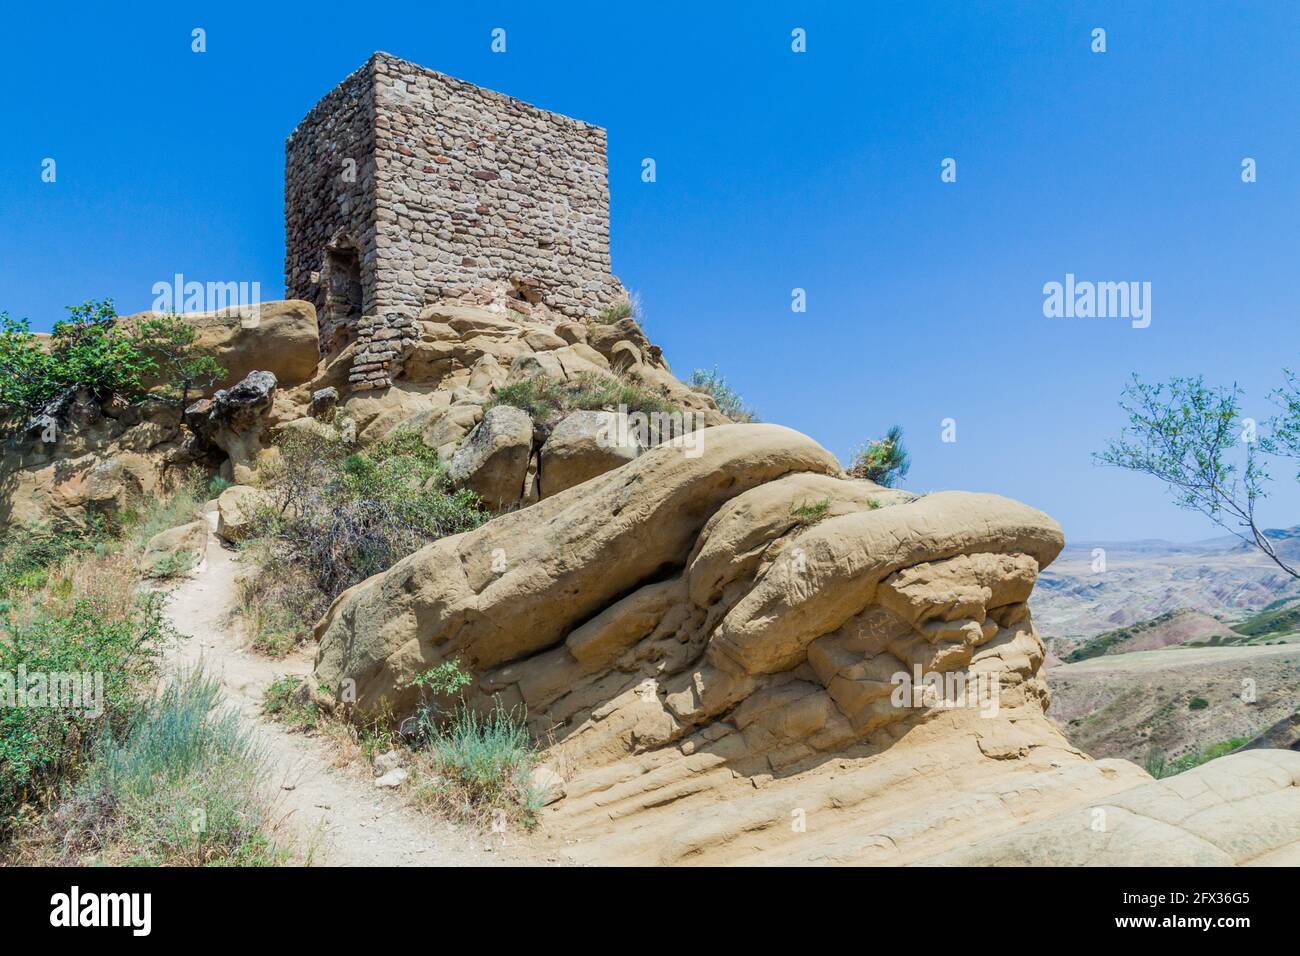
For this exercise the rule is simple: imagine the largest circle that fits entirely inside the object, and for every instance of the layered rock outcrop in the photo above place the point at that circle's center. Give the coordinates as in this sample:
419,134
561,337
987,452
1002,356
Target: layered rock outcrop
717,674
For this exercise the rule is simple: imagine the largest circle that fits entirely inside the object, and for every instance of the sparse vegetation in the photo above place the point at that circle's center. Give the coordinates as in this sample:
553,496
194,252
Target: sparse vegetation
179,787
476,768
884,461
809,513
622,309
95,632
729,401
289,701
1102,643
143,520
113,772
547,399
1278,618
339,517
27,557
1198,703
216,486
1159,767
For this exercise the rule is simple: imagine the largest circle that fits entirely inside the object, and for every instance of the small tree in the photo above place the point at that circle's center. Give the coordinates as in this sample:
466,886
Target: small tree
24,371
91,350
179,363
1192,437
884,461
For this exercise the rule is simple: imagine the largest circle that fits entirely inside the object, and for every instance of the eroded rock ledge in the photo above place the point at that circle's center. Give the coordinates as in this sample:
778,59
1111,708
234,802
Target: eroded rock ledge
716,673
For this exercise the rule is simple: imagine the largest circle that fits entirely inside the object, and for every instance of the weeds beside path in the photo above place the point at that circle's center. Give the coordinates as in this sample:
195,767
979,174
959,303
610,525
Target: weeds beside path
335,815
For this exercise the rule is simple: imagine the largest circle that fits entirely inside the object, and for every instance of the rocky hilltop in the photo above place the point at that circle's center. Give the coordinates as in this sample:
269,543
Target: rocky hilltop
730,650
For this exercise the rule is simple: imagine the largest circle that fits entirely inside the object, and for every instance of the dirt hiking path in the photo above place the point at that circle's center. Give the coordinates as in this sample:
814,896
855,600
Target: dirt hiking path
331,816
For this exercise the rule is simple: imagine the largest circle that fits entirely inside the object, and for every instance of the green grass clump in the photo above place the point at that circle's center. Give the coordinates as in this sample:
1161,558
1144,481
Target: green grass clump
180,787
288,701
728,400
477,769
216,486
622,309
810,513
1198,703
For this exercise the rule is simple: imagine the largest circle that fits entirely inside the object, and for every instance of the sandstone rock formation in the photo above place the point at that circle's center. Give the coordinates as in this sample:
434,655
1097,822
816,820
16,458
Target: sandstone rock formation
458,354
233,420
584,445
100,459
721,679
236,510
175,550
276,337
732,652
493,460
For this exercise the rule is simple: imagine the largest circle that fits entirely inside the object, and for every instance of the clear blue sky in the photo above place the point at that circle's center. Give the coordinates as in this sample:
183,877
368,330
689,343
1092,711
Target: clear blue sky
775,171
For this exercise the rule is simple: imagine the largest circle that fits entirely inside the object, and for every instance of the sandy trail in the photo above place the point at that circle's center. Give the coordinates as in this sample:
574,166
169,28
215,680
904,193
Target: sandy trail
332,816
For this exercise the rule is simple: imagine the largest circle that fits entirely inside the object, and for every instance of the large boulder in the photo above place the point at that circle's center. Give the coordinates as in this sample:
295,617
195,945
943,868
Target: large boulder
493,460
175,550
738,655
237,509
584,445
234,420
279,337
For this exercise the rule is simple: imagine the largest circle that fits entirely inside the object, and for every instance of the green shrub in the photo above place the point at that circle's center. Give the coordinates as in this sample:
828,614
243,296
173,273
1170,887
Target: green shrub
1197,703
216,486
546,399
180,787
344,516
884,461
477,768
287,700
728,400
38,745
445,679
92,351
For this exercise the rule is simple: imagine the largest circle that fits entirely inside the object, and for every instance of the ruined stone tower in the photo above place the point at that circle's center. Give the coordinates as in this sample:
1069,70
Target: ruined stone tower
404,186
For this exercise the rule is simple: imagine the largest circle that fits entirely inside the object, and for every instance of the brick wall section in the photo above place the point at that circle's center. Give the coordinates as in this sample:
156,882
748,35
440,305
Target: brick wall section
457,187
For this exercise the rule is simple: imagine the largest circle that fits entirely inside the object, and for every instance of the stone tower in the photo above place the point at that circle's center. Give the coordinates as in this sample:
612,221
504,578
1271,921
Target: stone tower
404,186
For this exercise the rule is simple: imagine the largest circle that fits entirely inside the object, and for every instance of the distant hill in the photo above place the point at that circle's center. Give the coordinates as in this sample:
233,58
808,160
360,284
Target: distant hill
1279,618
1284,735
1179,701
1222,578
1171,628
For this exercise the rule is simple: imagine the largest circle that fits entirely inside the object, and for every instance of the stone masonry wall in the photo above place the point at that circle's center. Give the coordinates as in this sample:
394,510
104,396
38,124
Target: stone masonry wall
329,201
456,187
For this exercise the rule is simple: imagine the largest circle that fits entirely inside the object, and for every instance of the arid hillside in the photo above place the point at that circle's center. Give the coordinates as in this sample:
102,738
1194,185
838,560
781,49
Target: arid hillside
1076,600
